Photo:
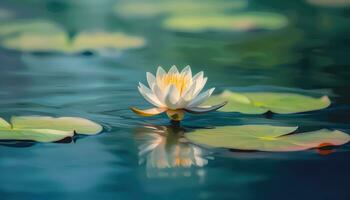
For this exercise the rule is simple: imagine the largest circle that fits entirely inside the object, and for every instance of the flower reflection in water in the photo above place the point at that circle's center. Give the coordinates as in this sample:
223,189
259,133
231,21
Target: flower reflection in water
165,147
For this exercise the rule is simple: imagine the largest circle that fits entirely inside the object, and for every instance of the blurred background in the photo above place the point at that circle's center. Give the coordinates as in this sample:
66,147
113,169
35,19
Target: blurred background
85,58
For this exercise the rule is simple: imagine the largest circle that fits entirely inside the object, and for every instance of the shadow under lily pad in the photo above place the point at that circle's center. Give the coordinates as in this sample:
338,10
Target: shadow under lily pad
262,102
46,129
266,138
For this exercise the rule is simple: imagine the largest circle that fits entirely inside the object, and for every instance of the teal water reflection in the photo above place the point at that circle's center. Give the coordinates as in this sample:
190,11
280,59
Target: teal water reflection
310,55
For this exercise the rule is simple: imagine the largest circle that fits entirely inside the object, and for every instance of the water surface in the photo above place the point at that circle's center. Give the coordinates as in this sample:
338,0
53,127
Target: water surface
310,55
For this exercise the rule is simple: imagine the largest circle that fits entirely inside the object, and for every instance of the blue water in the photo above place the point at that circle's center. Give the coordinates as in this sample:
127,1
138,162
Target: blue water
311,56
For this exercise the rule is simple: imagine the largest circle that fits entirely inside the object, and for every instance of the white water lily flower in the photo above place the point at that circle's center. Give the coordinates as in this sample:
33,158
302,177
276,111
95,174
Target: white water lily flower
175,92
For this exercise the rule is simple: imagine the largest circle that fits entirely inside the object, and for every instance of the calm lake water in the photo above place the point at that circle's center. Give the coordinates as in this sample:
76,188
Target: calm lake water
311,55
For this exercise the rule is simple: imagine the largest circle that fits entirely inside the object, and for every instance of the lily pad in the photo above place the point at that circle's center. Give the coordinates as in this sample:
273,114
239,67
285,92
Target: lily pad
7,132
29,26
44,36
238,22
266,138
151,8
72,124
59,42
38,135
37,42
262,102
103,40
46,129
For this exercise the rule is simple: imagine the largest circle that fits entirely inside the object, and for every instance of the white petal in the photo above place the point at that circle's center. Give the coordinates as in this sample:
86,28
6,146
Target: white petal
186,97
205,109
149,96
151,79
198,75
160,75
186,72
188,94
173,70
200,98
172,97
200,85
160,72
199,79
160,93
148,112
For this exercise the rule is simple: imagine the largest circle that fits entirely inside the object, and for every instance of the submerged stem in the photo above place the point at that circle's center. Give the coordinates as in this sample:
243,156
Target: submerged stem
175,123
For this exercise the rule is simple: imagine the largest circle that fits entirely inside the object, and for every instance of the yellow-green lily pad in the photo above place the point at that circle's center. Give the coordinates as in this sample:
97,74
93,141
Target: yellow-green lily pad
73,124
151,8
8,132
46,129
4,124
37,135
29,26
59,42
262,102
45,36
238,22
103,40
266,138
37,42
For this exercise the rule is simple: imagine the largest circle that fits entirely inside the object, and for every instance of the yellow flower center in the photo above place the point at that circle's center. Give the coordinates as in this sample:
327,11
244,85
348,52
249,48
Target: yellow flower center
181,82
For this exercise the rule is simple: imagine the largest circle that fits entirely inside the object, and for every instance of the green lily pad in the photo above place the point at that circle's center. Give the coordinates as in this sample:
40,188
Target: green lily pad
4,124
37,135
151,8
37,42
29,26
103,40
46,129
44,36
237,22
59,42
266,138
8,132
72,124
262,102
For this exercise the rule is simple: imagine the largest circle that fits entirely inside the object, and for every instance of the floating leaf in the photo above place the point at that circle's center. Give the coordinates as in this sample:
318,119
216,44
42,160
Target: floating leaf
42,36
29,26
266,138
73,124
46,129
59,42
38,135
4,124
151,8
37,42
102,40
261,102
238,22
